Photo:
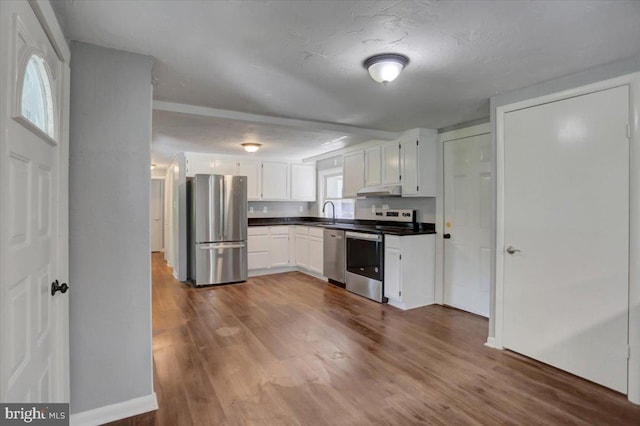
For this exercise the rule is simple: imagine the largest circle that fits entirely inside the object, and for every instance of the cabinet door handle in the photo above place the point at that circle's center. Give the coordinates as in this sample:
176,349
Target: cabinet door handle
447,236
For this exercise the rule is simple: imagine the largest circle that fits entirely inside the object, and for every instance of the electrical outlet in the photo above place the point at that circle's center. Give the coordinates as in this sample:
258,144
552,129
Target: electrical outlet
373,209
300,208
385,207
251,209
264,209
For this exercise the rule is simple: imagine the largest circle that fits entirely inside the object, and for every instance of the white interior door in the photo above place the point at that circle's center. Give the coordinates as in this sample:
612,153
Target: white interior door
157,215
467,223
566,218
33,243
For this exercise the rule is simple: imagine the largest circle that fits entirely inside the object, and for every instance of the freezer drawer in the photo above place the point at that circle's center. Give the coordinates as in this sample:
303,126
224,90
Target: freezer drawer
220,263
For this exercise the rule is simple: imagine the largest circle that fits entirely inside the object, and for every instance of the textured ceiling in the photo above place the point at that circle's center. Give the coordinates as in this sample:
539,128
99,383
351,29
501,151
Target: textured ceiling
176,132
303,59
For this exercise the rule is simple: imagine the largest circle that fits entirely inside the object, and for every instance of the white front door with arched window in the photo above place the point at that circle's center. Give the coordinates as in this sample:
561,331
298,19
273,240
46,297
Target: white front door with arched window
34,80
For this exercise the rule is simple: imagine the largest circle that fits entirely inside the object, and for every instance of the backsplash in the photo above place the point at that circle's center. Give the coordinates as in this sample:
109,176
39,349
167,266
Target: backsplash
426,207
278,208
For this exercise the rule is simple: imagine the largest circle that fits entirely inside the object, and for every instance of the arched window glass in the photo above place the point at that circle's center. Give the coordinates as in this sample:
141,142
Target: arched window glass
37,104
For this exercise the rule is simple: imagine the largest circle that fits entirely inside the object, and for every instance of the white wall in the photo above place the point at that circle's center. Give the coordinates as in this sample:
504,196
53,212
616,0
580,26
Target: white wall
425,207
278,209
109,229
176,217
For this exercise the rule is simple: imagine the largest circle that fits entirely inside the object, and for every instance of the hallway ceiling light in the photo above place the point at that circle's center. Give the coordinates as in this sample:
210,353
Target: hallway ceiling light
386,67
251,146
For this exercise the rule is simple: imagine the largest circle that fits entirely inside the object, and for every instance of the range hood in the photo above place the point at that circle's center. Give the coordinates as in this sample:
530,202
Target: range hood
381,191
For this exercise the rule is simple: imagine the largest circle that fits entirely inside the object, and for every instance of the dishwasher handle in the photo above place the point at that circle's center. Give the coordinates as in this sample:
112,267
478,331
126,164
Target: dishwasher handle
364,236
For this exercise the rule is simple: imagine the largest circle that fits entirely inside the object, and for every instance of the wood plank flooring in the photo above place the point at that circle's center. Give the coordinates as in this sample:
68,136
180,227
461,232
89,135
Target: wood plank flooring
289,349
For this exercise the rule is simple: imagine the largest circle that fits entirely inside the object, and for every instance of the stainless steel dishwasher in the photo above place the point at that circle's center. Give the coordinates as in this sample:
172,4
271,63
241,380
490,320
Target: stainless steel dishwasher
334,255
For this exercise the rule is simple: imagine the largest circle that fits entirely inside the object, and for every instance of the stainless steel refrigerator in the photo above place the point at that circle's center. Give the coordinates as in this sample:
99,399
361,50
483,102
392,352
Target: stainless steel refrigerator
217,229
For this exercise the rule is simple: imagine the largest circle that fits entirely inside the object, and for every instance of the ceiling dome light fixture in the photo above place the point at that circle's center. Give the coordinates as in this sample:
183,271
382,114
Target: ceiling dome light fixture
386,67
251,146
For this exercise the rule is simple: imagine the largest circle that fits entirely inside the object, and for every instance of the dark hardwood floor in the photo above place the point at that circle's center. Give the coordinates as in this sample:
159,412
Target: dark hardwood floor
288,349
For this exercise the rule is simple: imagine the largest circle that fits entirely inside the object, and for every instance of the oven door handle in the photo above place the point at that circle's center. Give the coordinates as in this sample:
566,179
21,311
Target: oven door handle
363,236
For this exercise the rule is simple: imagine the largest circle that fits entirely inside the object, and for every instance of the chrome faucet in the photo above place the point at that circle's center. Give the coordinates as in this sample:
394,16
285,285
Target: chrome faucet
334,209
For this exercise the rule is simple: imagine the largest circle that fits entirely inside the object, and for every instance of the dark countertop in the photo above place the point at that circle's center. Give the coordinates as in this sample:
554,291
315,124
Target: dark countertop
372,226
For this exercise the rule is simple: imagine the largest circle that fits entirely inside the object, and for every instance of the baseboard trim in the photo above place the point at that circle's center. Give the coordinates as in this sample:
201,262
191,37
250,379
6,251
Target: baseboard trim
491,343
117,411
260,272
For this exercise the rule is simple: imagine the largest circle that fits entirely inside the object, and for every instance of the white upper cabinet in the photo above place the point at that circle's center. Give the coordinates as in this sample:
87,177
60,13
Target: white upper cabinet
275,181
372,166
198,165
266,180
226,166
248,168
418,163
251,169
391,163
303,182
353,174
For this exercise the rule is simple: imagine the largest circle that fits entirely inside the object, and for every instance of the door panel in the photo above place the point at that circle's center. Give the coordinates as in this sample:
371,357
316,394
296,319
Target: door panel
467,201
33,349
566,208
157,221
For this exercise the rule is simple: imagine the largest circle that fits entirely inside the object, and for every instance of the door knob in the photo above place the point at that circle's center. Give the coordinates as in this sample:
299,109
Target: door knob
513,250
56,286
447,236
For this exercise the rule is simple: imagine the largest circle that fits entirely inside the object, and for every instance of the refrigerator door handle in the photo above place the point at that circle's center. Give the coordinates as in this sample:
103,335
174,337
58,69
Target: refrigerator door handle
221,195
222,246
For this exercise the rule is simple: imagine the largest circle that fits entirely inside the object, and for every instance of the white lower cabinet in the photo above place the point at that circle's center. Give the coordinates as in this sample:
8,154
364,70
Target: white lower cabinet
292,246
285,246
409,270
279,246
392,273
316,250
267,247
258,247
302,246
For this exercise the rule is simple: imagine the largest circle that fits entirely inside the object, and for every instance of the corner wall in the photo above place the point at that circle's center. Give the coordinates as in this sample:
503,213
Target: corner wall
109,229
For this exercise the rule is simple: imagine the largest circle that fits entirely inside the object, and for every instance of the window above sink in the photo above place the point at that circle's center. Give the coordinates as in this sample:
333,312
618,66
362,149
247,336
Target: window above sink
330,183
